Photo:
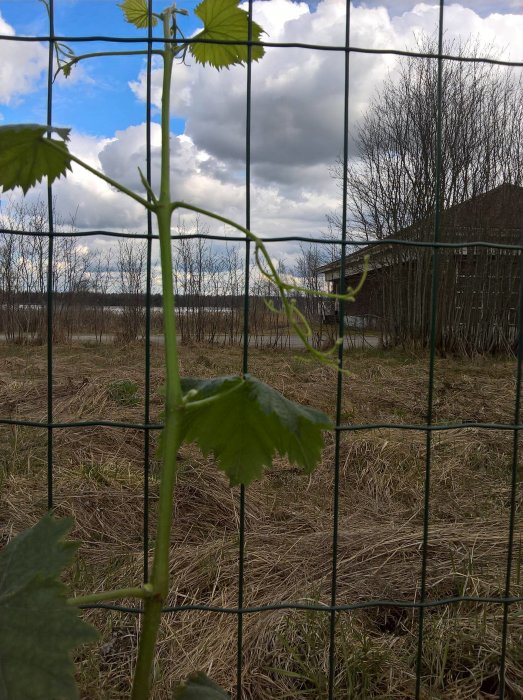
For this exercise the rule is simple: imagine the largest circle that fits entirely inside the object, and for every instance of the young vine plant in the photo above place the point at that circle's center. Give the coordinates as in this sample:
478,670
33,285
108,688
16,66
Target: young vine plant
241,421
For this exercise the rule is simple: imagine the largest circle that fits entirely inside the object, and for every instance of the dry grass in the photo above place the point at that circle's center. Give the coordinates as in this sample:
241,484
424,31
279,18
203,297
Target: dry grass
98,477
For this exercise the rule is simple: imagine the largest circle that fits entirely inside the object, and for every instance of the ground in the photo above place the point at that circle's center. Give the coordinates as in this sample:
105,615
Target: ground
98,477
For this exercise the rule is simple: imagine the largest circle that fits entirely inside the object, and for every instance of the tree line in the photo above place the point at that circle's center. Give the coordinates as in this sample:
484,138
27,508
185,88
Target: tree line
101,294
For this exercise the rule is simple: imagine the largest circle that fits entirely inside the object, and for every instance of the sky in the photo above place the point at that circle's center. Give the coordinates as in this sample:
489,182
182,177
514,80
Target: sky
297,104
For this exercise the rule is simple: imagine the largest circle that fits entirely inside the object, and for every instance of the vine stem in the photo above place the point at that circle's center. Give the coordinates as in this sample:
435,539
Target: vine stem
118,594
97,54
174,406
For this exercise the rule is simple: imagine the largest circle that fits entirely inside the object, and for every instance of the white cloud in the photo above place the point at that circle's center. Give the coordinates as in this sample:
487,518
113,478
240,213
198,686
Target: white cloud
85,199
22,65
481,7
297,95
197,178
210,183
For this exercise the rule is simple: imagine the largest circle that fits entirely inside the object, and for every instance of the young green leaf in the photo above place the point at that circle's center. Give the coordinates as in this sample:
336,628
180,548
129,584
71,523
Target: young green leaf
26,156
199,687
223,20
247,422
38,629
136,12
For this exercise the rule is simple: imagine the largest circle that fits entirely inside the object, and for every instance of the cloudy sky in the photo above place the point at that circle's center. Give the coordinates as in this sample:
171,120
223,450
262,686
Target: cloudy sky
297,103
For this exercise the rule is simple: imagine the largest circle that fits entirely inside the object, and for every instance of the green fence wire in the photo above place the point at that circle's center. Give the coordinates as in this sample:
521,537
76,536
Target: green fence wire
428,428
50,214
432,357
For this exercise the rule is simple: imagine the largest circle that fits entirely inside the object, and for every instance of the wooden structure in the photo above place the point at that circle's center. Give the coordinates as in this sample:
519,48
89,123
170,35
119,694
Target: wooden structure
478,286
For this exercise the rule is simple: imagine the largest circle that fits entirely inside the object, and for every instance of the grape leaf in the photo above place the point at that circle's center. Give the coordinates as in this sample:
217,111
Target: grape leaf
26,155
199,687
247,423
223,20
38,629
136,12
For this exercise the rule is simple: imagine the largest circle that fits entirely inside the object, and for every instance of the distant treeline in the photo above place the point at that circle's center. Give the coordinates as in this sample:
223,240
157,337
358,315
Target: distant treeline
100,293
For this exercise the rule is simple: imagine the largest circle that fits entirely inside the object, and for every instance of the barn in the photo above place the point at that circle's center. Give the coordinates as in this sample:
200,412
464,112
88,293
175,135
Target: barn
478,286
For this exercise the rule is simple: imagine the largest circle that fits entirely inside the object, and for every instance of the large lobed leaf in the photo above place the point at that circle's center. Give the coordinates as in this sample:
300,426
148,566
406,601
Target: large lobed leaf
137,12
26,156
38,629
247,423
199,687
223,20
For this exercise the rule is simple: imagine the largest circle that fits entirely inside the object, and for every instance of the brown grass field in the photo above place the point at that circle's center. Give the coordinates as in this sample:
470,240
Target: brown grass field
98,478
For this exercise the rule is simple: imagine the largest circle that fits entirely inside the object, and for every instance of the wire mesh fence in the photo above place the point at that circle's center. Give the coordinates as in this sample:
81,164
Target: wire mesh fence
333,610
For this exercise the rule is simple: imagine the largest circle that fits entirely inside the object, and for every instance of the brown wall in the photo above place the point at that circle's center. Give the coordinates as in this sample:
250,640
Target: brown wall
478,298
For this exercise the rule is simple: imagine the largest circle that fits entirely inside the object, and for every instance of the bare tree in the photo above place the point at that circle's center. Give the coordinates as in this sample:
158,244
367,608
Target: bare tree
233,290
24,263
311,258
318,311
131,265
391,184
207,284
100,281
71,279
23,268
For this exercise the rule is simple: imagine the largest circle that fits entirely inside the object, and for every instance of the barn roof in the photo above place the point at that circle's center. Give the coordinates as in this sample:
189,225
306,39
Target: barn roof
495,216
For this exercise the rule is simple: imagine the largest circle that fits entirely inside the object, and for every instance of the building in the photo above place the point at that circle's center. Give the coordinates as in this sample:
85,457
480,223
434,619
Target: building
478,286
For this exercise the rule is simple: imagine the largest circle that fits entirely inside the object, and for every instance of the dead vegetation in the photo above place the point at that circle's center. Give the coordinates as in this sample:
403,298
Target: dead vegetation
98,478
